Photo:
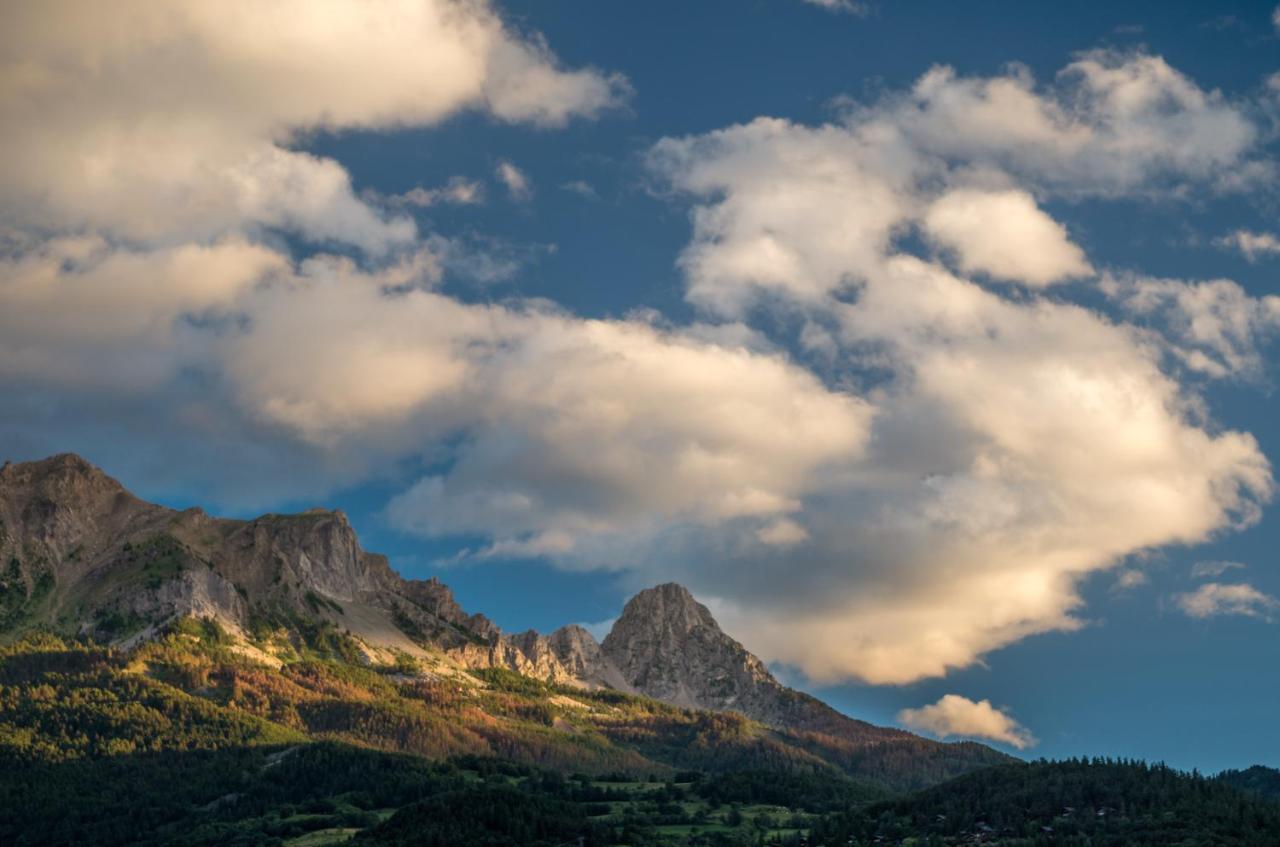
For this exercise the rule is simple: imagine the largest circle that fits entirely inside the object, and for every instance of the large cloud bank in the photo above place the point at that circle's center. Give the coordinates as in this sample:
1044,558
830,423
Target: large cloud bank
918,469
1019,441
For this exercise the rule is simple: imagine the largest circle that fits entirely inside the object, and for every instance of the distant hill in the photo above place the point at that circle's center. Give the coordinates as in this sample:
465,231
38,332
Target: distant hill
285,620
1100,803
1257,779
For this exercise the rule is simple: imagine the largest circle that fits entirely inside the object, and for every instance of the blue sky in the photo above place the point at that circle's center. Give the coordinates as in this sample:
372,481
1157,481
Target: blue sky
893,507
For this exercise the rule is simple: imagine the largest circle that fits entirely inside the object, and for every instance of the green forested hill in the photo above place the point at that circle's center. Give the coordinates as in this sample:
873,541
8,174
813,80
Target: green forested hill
191,689
183,740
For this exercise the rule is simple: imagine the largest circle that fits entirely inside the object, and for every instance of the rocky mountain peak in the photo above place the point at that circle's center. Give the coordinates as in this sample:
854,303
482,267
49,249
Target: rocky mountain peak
60,503
669,606
66,478
580,654
317,549
667,645
436,598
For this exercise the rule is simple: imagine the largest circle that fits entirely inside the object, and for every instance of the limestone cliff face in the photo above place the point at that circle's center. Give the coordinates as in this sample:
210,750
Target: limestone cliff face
436,598
568,656
317,549
81,554
669,647
583,657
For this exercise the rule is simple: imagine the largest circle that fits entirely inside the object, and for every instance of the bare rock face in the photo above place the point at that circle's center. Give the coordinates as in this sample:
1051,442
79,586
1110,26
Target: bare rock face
55,509
317,549
436,598
568,656
81,554
583,658
668,646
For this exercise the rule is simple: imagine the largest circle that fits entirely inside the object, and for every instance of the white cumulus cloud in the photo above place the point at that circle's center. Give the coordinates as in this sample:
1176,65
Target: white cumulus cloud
1018,442
1215,327
167,122
956,716
1005,235
966,455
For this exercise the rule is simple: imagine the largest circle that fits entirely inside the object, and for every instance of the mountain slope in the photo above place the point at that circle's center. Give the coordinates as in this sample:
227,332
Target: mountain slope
83,556
86,558
668,646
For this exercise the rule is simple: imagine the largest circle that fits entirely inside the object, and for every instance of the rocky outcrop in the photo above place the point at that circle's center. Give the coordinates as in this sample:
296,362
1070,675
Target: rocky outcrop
316,549
84,555
582,656
669,647
436,598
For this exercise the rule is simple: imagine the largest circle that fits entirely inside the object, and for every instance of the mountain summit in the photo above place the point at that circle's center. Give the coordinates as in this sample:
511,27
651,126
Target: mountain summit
668,646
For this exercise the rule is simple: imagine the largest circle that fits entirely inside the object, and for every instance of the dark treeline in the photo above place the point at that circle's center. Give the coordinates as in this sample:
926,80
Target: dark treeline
1257,779
808,792
1096,802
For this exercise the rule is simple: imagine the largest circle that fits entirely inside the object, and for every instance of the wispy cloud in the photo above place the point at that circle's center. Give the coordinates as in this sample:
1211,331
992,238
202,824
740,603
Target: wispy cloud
1213,599
580,187
1215,326
1129,579
516,181
853,7
954,716
1254,245
1215,568
457,190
